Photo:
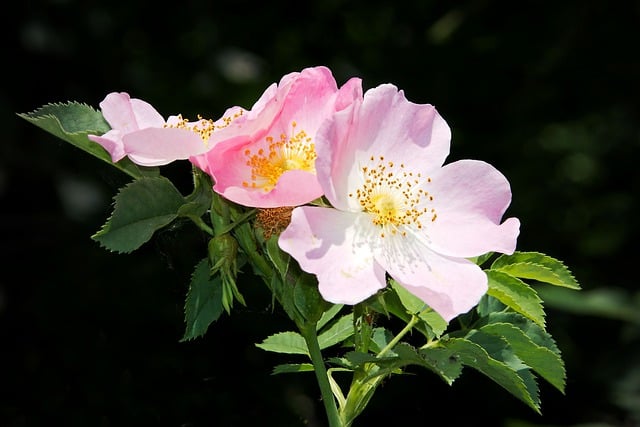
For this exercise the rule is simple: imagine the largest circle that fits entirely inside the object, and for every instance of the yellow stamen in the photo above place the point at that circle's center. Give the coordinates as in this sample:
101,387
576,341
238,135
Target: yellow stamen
394,198
295,152
204,127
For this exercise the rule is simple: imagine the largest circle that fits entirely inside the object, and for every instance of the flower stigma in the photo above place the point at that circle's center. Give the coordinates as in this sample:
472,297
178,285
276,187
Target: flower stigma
394,197
295,152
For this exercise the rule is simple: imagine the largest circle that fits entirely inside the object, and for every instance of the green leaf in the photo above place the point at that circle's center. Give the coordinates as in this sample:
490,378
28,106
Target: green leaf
337,332
307,298
416,306
328,315
203,305
285,342
199,201
443,361
479,260
289,368
536,266
542,360
141,207
473,355
536,333
499,349
73,122
516,294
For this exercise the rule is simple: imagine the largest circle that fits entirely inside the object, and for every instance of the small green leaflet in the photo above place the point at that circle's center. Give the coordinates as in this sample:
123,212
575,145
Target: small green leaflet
285,342
72,122
203,304
516,294
536,266
339,331
328,315
476,357
289,368
294,343
140,208
542,360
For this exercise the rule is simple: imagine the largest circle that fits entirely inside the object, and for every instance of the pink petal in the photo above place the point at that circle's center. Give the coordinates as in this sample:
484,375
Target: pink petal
294,188
384,126
450,286
324,242
469,198
112,142
160,146
295,108
128,115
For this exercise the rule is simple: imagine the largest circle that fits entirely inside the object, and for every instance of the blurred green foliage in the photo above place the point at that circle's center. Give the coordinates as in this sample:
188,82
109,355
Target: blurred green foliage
546,91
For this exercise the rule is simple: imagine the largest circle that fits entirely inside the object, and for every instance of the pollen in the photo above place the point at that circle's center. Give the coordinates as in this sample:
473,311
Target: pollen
295,151
395,197
204,127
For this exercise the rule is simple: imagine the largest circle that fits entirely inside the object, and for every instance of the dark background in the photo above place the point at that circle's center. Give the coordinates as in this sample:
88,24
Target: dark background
545,91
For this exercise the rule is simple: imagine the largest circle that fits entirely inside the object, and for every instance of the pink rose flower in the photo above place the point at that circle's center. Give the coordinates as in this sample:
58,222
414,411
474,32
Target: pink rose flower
266,157
397,210
139,132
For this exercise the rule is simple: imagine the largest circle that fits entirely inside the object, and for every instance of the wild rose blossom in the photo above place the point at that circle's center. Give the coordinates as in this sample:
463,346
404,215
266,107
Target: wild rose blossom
397,210
139,132
266,157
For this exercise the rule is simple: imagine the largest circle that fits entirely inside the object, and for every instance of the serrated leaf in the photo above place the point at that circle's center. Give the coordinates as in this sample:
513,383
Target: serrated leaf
536,266
542,360
532,330
516,294
328,315
443,361
476,357
289,368
141,207
73,122
500,349
416,306
285,342
203,304
337,332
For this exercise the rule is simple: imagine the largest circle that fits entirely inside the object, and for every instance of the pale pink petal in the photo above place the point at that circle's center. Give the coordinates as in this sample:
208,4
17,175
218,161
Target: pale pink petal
128,115
326,242
386,127
112,142
160,146
146,116
470,198
348,93
450,286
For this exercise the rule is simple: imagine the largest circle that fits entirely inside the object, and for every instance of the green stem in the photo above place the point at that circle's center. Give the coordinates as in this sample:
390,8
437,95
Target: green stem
203,225
311,338
401,334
